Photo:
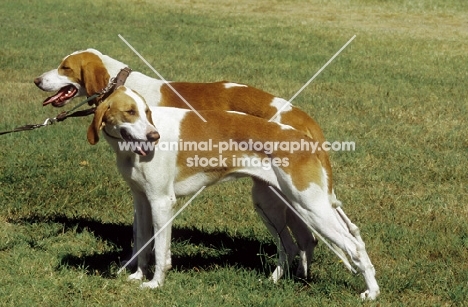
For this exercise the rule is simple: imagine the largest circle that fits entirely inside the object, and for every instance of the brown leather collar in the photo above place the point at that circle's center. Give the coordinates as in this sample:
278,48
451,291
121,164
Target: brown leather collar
114,83
122,76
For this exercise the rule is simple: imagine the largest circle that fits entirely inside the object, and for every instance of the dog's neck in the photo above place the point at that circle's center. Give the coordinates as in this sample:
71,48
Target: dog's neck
112,65
151,93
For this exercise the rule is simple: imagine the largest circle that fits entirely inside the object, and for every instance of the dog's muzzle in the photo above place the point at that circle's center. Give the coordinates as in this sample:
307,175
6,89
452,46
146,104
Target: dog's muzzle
141,147
153,136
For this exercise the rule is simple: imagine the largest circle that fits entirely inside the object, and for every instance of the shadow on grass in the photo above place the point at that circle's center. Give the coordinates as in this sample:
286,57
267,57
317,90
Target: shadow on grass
225,250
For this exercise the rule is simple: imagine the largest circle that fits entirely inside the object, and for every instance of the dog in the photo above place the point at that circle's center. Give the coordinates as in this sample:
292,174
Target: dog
157,176
84,73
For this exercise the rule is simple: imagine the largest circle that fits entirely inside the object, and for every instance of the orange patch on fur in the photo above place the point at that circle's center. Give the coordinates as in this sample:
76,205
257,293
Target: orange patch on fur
215,96
303,167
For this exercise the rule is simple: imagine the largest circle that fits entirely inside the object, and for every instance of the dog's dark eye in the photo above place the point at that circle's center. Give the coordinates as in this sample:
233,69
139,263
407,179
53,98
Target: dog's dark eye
131,112
65,67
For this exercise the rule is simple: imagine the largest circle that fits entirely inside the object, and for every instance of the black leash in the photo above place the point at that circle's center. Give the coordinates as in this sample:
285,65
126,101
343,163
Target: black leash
113,84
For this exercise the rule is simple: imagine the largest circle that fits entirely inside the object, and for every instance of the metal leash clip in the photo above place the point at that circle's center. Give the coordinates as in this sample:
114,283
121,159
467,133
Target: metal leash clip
49,121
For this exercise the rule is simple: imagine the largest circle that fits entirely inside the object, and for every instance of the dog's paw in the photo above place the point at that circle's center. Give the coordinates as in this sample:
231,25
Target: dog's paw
368,295
301,271
138,276
150,285
276,275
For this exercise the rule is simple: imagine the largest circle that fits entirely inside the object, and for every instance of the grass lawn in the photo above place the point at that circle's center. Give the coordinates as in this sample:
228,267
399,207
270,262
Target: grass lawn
398,91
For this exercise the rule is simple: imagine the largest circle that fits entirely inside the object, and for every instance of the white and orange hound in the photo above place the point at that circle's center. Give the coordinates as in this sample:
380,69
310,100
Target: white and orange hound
84,73
156,177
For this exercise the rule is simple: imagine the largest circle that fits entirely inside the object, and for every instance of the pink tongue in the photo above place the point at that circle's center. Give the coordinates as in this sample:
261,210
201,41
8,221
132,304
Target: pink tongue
62,93
53,98
140,151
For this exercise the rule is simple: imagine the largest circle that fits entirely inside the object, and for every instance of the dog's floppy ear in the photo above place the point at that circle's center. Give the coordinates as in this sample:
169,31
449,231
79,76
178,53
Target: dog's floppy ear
95,77
95,127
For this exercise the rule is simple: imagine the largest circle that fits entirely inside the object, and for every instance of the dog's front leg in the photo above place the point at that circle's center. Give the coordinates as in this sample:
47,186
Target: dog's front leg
131,263
142,233
161,212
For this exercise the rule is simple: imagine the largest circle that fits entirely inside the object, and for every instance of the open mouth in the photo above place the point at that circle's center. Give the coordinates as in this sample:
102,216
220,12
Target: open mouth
62,96
140,147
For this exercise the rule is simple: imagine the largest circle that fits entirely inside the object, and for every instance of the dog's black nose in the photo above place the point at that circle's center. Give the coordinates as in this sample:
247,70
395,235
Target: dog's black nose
37,81
153,136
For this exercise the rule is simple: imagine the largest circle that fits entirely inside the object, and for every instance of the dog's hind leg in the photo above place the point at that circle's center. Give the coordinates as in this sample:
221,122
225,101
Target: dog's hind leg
366,267
277,216
315,208
304,238
273,215
353,229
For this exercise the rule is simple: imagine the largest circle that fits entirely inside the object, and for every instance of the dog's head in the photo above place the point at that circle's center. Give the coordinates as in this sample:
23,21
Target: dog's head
126,116
82,73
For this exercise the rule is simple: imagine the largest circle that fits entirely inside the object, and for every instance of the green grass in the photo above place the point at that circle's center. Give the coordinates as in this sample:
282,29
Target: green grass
398,91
